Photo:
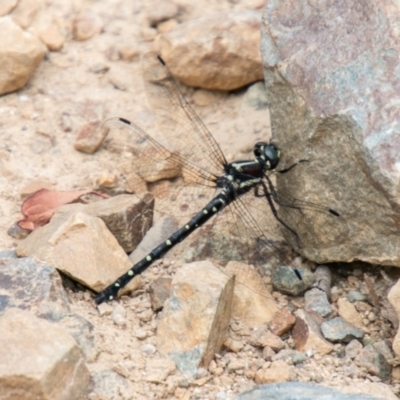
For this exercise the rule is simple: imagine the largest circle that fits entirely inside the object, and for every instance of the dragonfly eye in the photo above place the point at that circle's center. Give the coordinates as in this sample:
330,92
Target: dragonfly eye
268,153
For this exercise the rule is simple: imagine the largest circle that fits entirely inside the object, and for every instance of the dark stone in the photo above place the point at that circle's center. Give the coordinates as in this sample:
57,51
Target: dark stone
298,391
285,280
32,285
338,330
375,363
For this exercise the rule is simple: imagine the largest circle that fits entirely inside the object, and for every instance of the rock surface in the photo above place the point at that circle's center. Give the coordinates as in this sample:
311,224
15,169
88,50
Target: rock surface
81,247
229,39
329,103
348,312
394,298
32,285
253,305
338,330
307,334
127,217
195,319
20,54
39,357
298,391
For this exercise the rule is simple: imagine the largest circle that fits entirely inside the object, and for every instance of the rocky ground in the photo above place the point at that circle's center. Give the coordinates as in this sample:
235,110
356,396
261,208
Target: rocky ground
91,71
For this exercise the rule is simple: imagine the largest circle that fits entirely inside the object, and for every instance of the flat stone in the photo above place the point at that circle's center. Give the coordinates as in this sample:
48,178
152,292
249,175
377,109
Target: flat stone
338,330
39,357
195,320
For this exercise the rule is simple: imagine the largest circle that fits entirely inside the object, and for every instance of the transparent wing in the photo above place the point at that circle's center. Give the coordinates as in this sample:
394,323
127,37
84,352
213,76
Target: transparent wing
177,120
315,225
145,165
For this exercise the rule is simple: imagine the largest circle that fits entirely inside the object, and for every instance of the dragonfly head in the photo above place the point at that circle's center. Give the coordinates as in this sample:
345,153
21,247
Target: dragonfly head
268,154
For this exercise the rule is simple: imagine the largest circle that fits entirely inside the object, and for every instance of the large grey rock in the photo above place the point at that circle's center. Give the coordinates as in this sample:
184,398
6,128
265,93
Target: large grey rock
298,391
333,89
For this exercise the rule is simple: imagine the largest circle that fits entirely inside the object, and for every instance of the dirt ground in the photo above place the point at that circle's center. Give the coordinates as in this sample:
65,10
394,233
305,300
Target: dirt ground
38,128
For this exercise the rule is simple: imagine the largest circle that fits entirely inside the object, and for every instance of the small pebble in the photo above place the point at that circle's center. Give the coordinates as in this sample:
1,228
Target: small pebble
355,295
104,309
140,334
119,315
148,349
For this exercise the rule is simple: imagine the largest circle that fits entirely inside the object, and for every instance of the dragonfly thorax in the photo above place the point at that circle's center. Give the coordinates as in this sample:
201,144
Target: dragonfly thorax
267,155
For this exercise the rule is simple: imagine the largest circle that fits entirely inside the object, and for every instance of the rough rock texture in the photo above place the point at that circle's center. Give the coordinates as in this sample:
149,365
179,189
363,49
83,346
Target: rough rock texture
338,330
196,50
39,360
253,305
20,54
298,391
332,78
126,216
348,312
394,298
279,371
195,319
32,285
307,333
81,247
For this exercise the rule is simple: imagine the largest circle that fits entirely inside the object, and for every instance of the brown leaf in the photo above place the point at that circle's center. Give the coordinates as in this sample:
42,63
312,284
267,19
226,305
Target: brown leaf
38,208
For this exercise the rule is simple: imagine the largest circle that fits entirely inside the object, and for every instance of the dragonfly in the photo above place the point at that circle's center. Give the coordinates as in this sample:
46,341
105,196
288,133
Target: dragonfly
237,197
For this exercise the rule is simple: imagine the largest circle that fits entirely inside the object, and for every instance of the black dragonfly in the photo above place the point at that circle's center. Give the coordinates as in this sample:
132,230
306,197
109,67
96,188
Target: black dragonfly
238,196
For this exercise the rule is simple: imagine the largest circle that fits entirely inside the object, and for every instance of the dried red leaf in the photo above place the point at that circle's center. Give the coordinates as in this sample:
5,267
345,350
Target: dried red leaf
38,208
